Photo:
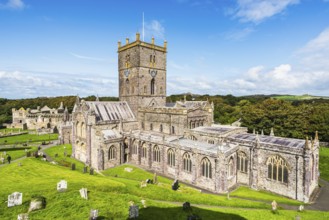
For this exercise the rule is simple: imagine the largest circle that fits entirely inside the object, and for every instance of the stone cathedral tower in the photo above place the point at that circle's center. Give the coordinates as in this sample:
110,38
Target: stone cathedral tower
142,73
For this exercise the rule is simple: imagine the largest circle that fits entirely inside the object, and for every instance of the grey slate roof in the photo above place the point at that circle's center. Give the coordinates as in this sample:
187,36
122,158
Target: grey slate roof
215,129
111,111
264,139
110,134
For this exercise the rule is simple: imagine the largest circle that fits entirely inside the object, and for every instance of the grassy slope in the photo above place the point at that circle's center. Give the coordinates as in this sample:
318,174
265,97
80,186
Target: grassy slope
28,137
298,97
16,153
111,196
324,163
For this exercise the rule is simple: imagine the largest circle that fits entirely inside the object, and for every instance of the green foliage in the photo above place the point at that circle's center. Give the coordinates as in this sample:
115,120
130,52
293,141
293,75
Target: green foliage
324,163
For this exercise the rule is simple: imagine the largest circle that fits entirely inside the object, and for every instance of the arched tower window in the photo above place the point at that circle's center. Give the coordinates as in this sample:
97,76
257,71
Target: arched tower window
171,157
112,152
230,167
172,129
151,127
277,169
83,130
127,86
152,86
206,167
187,163
145,89
242,163
156,154
161,128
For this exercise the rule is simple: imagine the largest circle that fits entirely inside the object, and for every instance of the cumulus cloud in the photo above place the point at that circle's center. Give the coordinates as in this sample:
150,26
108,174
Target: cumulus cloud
25,84
257,11
13,4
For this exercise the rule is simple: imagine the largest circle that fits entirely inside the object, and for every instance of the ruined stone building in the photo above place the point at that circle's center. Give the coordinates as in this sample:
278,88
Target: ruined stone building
179,140
40,118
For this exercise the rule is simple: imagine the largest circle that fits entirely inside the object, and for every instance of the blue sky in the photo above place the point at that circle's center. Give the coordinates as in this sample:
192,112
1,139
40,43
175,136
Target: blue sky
239,47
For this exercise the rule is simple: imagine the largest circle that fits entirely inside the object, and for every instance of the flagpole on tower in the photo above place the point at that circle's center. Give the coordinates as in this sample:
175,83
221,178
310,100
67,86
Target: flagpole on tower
143,26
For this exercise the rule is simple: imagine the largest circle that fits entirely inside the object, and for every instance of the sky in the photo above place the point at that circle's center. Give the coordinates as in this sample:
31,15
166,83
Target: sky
242,47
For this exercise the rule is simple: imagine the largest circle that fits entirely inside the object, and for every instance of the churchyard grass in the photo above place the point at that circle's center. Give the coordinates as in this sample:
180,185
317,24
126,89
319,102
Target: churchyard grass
16,153
245,192
324,163
111,195
20,139
63,160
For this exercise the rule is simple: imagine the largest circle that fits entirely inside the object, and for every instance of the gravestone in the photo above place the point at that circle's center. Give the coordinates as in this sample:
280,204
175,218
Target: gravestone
38,202
91,172
186,206
15,199
84,193
133,211
143,184
62,186
148,181
274,206
155,178
23,216
143,201
128,169
175,185
85,169
93,214
301,208
73,166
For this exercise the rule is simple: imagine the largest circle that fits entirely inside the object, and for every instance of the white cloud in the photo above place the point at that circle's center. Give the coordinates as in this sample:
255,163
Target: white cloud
257,11
23,84
315,53
239,34
13,4
87,57
154,29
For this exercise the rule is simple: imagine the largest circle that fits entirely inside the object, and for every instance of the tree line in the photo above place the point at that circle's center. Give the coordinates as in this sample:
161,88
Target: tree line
294,119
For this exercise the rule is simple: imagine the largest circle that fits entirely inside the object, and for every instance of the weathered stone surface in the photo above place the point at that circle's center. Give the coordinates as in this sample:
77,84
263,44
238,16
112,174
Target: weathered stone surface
14,199
37,203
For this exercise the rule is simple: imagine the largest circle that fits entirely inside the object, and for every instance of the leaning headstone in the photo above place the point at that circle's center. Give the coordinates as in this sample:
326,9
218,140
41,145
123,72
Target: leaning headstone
91,172
23,216
84,193
62,186
93,214
85,170
73,166
37,203
15,199
133,211
175,185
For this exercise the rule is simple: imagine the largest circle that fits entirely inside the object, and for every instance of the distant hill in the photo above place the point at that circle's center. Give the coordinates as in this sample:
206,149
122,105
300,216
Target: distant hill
298,97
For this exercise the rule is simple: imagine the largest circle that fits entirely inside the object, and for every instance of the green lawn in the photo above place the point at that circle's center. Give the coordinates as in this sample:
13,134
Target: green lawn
16,153
63,160
111,196
27,137
324,163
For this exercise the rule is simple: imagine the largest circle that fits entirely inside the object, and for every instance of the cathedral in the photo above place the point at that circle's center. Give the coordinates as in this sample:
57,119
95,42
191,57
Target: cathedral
180,140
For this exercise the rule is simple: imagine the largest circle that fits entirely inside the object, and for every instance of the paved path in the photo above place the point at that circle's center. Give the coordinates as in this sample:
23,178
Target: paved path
322,201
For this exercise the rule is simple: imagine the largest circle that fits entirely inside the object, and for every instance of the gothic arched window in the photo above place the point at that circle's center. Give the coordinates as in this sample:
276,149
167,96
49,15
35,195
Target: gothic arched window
242,162
161,128
112,153
277,169
151,127
152,86
187,163
206,167
171,157
230,167
144,151
156,154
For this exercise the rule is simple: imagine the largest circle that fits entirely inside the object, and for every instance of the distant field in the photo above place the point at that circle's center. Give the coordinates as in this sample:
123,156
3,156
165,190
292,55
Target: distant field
298,97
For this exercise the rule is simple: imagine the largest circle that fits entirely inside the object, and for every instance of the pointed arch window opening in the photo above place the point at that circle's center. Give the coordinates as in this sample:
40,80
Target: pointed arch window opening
277,169
152,86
